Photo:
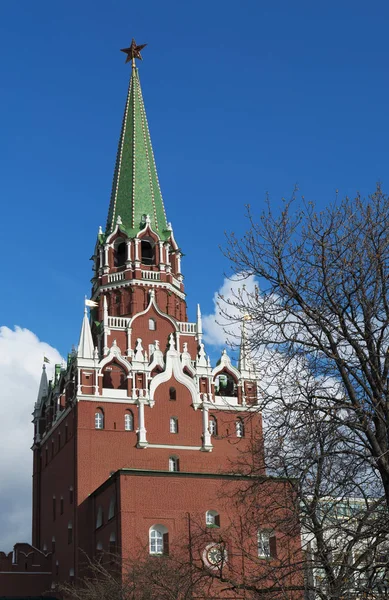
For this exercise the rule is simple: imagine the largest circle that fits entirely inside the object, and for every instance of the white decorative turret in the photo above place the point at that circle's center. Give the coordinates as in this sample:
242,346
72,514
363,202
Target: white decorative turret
199,326
85,345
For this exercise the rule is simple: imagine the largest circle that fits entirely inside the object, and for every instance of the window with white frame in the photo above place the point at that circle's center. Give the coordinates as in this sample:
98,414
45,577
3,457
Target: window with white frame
152,325
212,518
158,540
173,425
212,425
128,421
264,544
239,427
174,463
99,419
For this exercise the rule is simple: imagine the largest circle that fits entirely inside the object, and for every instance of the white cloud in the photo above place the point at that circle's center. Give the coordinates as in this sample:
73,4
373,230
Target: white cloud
224,324
21,357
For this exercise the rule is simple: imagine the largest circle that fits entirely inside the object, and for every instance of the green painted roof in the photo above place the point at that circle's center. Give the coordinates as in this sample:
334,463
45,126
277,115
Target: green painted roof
135,189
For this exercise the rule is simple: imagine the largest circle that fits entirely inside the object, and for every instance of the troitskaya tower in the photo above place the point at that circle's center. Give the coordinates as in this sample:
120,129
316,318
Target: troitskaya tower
138,430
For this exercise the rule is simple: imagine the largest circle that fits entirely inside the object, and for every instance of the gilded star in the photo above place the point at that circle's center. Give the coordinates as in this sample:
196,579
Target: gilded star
133,51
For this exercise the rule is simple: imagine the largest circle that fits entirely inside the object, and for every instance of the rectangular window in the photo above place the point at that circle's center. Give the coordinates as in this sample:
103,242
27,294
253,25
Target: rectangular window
70,495
61,506
54,508
264,545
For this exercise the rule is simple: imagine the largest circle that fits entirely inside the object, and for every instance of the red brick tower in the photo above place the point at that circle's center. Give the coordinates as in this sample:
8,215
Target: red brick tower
138,430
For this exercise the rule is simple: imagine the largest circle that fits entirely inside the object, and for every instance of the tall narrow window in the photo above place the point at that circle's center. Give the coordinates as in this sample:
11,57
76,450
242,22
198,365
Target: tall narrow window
264,544
174,463
239,426
158,540
212,425
173,425
99,419
147,252
53,544
172,393
111,510
128,421
152,325
71,495
54,508
61,505
112,543
99,517
120,251
70,532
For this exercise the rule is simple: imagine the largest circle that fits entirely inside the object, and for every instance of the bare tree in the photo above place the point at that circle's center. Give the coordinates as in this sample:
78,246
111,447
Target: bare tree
317,329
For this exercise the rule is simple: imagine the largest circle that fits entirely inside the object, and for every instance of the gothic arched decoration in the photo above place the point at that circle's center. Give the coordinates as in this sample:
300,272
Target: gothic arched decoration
114,376
119,253
147,251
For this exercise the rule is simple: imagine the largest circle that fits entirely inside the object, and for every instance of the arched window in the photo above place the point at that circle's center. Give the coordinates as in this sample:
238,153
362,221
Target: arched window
119,253
70,532
112,543
173,425
128,421
99,546
147,252
114,377
212,518
99,517
225,385
152,325
99,419
53,544
61,505
71,572
44,549
239,426
111,510
172,393
174,463
212,425
264,550
158,539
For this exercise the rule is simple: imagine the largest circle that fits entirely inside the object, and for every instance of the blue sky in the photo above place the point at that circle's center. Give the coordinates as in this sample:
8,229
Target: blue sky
242,98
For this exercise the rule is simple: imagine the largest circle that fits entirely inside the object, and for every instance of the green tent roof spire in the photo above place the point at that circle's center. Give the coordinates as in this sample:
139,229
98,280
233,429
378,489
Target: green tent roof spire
135,189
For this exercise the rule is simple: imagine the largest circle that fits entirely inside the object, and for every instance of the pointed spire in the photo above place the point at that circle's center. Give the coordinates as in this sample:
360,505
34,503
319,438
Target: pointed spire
244,362
135,189
85,346
43,386
199,326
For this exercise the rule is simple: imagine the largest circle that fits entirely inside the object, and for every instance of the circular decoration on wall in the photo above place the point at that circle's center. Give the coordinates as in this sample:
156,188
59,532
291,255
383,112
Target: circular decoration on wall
214,555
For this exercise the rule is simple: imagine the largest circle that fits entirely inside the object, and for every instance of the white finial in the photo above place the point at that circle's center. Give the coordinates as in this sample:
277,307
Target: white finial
169,227
199,325
96,353
185,347
114,344
100,230
172,345
156,344
148,220
118,220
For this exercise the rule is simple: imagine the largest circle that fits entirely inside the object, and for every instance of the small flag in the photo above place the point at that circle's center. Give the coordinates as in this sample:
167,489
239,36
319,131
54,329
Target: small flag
45,359
91,303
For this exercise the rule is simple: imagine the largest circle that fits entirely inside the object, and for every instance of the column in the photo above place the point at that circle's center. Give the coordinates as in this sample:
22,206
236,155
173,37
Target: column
128,261
142,441
207,442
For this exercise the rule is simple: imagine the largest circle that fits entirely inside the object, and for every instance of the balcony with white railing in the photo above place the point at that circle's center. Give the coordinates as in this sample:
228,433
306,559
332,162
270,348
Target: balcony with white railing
115,277
187,327
118,322
151,275
176,282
